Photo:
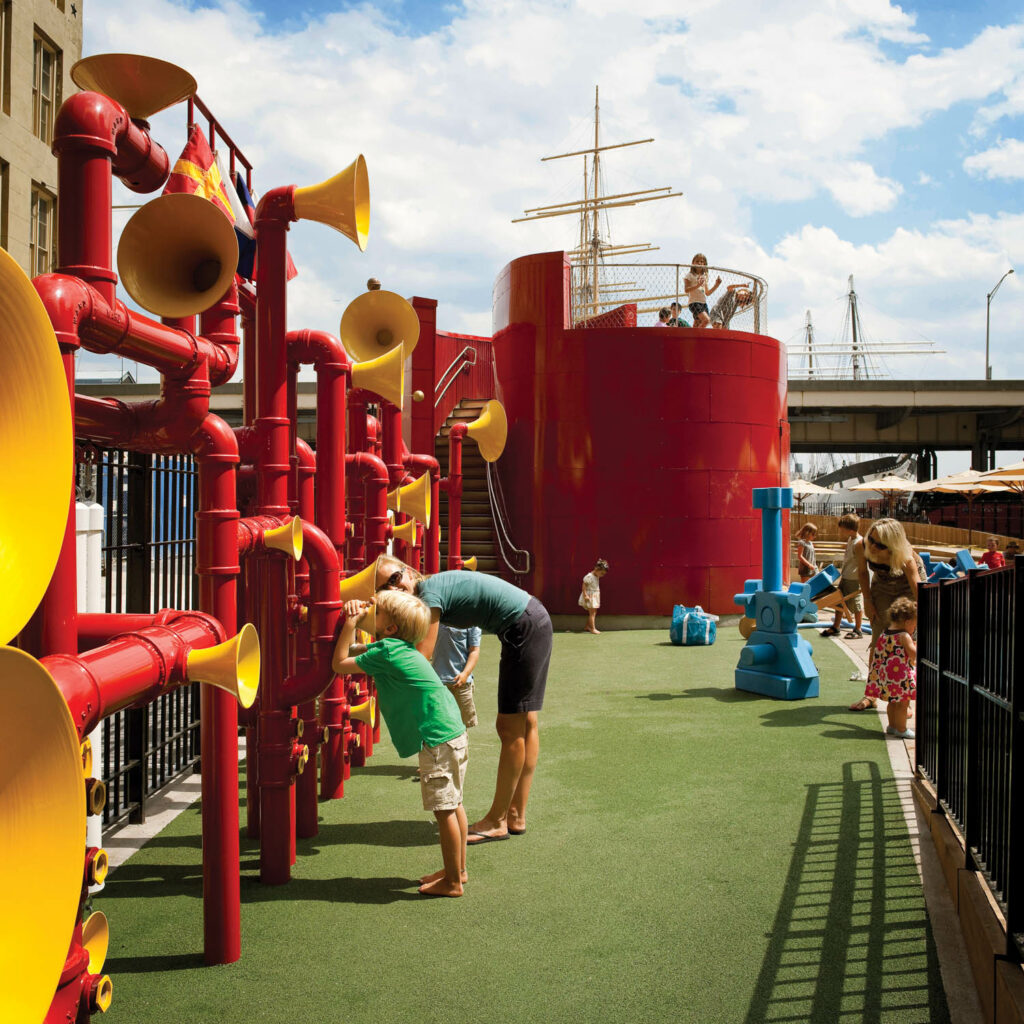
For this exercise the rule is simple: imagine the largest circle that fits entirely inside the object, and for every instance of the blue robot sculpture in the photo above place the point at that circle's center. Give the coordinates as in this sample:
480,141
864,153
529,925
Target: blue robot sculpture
776,660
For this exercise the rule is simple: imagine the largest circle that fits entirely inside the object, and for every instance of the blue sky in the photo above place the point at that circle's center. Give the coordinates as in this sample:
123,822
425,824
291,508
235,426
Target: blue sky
811,142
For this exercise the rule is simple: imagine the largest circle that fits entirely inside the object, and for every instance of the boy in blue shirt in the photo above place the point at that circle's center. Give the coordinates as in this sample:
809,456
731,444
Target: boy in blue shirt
455,656
421,715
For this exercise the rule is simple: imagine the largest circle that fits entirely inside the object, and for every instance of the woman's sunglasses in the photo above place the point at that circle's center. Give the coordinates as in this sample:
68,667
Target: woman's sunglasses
392,581
877,543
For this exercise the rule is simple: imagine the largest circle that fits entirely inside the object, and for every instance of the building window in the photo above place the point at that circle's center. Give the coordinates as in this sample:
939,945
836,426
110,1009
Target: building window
46,72
42,240
5,56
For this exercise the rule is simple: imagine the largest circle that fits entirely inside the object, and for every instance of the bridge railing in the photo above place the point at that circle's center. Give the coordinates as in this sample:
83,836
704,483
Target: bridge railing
970,733
632,294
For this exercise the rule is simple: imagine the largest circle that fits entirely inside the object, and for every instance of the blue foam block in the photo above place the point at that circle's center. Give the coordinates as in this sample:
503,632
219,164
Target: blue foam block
778,687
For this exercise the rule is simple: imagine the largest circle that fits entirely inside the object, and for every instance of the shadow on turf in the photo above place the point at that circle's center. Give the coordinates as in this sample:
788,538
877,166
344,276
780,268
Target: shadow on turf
851,938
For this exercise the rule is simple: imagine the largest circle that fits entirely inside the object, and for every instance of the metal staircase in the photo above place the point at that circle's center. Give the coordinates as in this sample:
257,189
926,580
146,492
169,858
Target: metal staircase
477,522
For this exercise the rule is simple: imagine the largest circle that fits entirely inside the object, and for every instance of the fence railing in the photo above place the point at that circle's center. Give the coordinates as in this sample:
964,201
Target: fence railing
970,731
633,294
148,564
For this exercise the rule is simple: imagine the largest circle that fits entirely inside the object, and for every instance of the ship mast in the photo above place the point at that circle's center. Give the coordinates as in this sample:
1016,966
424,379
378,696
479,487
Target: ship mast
592,248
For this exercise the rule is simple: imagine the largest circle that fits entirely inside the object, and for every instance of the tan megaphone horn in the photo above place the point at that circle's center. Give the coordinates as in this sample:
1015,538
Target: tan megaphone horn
384,376
469,564
233,666
490,430
365,712
36,444
406,532
413,499
341,202
96,940
376,322
42,807
142,85
177,255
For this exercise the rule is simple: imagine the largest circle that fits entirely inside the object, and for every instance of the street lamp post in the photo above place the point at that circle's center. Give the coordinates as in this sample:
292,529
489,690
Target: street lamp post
988,306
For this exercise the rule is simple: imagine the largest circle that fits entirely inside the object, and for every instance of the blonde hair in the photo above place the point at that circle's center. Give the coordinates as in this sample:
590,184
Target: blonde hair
409,614
389,565
890,533
903,609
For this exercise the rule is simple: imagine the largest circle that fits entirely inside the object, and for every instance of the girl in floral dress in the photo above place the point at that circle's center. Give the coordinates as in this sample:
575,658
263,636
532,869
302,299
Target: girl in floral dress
893,672
590,597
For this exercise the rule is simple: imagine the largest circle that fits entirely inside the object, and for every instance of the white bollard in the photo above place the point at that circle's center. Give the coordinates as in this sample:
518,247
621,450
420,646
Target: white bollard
89,545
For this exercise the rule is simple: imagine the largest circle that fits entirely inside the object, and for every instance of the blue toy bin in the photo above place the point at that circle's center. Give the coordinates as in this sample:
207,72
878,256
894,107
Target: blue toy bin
692,627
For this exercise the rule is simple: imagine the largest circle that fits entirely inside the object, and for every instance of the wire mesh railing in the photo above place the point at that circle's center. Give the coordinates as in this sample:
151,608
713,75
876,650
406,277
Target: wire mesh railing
149,505
643,294
970,734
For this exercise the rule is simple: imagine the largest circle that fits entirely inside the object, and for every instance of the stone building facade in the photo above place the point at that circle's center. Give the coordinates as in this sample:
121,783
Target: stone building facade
40,40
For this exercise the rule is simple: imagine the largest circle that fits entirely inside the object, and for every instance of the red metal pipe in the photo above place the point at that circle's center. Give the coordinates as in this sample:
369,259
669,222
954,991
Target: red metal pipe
432,533
454,489
96,629
374,475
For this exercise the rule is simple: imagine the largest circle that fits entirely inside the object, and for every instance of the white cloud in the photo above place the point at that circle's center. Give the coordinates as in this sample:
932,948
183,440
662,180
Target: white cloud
1003,160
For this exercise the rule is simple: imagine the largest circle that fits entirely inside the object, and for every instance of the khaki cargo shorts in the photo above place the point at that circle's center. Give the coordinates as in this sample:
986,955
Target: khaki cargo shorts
848,587
443,774
467,706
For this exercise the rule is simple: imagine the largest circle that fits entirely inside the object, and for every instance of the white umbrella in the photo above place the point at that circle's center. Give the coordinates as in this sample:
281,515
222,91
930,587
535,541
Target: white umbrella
971,483
802,488
888,487
1011,476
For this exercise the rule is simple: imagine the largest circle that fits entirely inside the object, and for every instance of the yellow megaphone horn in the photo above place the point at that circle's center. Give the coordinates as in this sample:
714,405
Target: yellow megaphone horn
96,940
36,443
406,532
365,712
233,666
490,430
377,322
42,807
142,85
361,586
413,499
177,255
470,564
384,376
287,538
341,202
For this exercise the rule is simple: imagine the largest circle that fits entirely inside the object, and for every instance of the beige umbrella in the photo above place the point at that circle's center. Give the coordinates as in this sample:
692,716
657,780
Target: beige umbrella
1011,476
971,483
802,488
888,487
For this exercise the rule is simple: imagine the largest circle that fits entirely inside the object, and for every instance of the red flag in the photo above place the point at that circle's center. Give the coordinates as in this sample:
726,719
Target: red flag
196,172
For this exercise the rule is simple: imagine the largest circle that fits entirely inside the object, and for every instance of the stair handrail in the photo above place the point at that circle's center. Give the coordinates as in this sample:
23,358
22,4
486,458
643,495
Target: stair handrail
461,361
499,515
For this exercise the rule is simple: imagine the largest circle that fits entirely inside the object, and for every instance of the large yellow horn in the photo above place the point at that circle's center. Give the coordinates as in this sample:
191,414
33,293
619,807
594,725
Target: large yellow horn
142,85
177,255
233,666
42,807
406,532
469,564
365,712
384,376
96,940
362,586
287,538
341,202
36,447
490,430
414,499
376,322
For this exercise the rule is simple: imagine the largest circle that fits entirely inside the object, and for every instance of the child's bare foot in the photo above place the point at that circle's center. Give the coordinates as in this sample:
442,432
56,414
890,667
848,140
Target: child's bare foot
596,632
440,874
441,887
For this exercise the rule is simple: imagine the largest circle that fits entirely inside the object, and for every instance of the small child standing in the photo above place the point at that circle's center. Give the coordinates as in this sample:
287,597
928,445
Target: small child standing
421,715
697,291
806,565
590,598
893,672
849,580
455,656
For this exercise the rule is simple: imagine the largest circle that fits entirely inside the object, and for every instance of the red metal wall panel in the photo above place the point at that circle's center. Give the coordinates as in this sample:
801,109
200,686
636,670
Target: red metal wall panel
638,445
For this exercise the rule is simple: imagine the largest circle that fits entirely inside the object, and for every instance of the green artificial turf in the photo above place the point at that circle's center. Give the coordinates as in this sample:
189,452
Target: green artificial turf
693,854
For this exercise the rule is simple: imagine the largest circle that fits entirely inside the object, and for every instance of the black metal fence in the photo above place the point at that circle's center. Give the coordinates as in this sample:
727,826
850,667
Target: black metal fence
970,735
149,503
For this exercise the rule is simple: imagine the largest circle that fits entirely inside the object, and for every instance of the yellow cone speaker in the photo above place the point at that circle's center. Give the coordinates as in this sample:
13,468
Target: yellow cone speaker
177,255
470,564
286,538
341,202
406,532
377,322
489,430
233,666
95,940
36,444
142,85
362,586
413,499
42,810
365,712
384,376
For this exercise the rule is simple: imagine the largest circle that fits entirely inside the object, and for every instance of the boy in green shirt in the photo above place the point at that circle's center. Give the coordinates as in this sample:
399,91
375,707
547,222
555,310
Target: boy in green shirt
421,715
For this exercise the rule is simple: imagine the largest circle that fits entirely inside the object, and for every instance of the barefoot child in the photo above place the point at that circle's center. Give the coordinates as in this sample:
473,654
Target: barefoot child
849,580
893,672
421,715
697,290
590,597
